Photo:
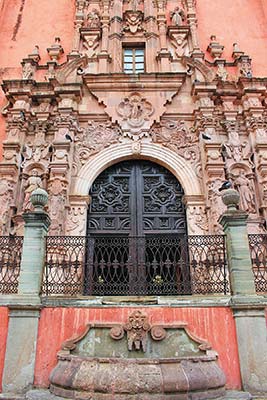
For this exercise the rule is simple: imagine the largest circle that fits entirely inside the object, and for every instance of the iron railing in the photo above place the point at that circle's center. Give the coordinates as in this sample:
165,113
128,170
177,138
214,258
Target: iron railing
10,258
258,251
153,265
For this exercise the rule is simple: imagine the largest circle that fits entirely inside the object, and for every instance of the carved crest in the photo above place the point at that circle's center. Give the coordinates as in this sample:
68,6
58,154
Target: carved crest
133,21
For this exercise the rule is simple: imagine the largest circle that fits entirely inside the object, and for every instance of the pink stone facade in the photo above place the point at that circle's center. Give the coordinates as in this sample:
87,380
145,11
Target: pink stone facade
70,106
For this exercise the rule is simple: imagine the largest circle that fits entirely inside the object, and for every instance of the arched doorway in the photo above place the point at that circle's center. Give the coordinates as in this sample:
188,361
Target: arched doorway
137,227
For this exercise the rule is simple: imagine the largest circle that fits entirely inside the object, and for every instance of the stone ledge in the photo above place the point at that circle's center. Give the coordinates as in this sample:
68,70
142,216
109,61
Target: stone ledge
46,395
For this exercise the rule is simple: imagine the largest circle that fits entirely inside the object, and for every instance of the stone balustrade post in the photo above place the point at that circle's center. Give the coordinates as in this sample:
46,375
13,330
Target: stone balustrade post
33,252
248,308
24,311
234,224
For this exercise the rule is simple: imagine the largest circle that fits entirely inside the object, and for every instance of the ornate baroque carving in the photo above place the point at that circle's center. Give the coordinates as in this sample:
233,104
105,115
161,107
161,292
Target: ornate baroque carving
92,139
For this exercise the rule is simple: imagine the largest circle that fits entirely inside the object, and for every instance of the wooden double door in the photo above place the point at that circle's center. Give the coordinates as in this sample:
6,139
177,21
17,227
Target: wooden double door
136,219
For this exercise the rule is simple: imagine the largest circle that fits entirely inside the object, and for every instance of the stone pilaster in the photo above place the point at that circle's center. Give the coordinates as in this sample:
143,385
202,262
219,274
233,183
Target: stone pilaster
24,316
234,224
249,314
20,354
252,346
33,252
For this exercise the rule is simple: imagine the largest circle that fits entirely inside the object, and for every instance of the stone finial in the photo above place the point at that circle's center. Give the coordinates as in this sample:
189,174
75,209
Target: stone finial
39,199
55,50
35,54
230,198
237,52
215,48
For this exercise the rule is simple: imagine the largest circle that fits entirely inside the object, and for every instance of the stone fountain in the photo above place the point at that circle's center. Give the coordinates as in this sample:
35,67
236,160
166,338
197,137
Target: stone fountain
137,361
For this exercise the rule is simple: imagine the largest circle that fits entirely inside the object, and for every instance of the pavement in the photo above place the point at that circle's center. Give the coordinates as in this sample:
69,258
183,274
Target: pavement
37,394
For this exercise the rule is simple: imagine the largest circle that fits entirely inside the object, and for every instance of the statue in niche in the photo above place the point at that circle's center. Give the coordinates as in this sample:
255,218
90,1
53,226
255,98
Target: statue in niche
5,199
177,16
33,182
56,207
93,19
245,189
216,205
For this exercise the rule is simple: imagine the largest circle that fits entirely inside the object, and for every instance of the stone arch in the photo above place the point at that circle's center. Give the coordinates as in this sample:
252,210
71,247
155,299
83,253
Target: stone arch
176,164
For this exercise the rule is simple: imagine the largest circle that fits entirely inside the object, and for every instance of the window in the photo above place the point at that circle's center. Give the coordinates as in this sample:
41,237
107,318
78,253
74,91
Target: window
134,60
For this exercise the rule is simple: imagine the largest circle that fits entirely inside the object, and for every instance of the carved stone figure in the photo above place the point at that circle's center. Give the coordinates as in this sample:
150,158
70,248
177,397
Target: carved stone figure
222,73
216,206
93,19
244,187
137,329
6,194
177,16
33,182
56,207
27,71
245,68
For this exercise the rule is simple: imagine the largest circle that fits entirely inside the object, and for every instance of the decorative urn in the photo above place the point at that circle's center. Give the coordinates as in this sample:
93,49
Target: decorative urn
39,199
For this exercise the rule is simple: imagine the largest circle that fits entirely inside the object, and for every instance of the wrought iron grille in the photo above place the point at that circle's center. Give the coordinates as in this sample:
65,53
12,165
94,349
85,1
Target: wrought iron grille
10,258
153,265
258,252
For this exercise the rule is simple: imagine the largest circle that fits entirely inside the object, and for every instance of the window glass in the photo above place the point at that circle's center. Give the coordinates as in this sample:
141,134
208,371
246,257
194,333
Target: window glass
133,60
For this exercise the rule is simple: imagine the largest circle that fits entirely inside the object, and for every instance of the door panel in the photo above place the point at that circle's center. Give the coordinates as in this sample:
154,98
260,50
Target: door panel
136,198
136,219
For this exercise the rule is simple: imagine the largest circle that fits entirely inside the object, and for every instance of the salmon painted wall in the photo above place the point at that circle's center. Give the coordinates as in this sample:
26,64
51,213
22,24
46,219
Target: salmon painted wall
3,339
240,21
25,23
213,324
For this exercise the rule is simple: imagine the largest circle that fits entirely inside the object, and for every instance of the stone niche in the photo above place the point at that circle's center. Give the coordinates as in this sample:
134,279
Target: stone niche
137,360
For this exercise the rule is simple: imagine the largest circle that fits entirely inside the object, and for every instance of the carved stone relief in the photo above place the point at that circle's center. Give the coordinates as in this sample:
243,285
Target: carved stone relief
57,200
236,151
135,112
246,189
93,19
76,221
215,206
33,182
92,139
6,199
178,137
197,220
133,22
177,16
